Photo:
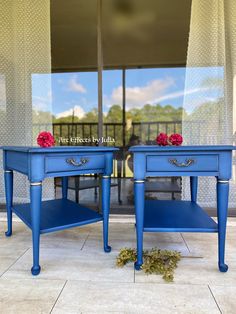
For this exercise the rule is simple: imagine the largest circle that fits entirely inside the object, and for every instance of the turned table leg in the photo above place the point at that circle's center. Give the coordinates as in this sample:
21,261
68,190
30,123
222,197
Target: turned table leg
106,183
222,210
8,176
139,188
35,202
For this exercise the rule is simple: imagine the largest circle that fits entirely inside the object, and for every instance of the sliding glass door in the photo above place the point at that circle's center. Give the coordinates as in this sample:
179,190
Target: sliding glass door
118,76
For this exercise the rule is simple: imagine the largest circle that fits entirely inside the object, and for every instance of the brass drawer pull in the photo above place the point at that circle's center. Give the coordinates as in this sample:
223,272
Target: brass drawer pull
73,162
187,162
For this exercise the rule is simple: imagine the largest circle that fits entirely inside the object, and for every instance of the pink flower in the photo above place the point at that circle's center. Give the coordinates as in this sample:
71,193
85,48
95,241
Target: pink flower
176,139
45,139
162,139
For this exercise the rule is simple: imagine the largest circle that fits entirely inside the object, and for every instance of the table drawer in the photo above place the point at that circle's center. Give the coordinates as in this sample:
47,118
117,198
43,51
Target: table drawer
182,163
74,163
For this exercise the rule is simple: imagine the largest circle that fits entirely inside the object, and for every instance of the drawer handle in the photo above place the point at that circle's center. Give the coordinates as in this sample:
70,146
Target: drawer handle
73,162
187,162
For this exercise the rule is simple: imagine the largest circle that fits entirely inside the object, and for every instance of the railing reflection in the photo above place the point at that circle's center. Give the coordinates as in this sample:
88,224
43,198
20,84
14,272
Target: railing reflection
80,133
146,131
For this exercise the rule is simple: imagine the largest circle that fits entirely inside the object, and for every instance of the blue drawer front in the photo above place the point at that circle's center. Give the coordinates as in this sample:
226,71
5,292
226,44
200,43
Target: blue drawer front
74,163
182,163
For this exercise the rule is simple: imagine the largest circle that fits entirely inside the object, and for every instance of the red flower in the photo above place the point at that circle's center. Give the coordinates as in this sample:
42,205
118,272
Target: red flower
162,139
176,139
45,139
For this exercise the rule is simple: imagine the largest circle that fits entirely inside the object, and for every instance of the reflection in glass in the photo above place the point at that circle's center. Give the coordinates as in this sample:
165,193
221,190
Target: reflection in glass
154,100
71,104
204,106
112,107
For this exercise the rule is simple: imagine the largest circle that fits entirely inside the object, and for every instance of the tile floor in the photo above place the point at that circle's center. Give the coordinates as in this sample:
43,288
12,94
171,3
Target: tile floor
77,277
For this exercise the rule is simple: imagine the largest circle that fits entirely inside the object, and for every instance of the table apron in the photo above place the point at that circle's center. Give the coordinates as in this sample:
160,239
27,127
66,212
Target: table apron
181,173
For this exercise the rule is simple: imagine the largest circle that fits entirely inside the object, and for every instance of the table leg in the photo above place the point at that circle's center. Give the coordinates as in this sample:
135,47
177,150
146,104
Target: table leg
222,210
35,201
193,186
106,185
64,182
8,176
139,189
77,185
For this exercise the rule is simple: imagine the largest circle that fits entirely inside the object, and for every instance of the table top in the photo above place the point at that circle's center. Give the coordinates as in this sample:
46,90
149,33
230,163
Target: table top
137,148
183,148
59,149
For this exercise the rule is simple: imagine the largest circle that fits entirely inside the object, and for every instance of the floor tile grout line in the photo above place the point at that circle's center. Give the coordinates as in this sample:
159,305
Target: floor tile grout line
214,299
38,278
58,296
15,261
185,242
84,242
161,283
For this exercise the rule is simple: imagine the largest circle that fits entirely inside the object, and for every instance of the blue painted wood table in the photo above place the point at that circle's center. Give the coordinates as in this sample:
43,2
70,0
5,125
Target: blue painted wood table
48,216
181,216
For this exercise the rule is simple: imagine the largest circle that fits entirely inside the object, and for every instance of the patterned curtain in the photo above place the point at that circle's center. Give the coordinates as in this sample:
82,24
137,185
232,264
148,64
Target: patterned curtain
209,105
25,52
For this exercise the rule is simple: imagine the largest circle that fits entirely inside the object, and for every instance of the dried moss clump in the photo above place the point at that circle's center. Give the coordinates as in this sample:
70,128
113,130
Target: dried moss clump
155,261
125,256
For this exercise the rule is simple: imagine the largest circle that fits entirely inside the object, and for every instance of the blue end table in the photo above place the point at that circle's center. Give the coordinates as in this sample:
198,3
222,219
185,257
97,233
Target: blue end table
181,216
40,163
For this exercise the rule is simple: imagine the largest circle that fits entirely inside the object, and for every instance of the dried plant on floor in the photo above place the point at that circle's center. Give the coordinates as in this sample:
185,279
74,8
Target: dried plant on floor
155,261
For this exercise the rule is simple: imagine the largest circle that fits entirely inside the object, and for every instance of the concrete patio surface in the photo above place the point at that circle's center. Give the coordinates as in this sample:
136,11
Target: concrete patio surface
78,277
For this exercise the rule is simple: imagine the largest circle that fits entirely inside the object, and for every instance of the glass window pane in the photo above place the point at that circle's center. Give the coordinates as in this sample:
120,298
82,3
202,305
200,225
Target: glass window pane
73,35
145,33
75,107
112,107
148,41
74,82
72,105
154,100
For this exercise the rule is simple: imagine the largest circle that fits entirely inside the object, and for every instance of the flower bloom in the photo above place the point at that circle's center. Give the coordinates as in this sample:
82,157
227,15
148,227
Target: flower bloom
162,139
45,139
176,139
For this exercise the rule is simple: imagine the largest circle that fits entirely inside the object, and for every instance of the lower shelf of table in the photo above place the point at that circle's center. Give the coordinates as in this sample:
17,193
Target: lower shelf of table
58,214
176,216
